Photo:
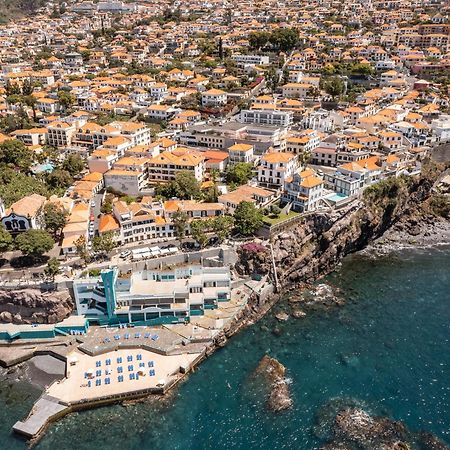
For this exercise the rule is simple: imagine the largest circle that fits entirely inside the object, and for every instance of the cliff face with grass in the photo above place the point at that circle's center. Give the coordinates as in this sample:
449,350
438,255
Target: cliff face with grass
313,248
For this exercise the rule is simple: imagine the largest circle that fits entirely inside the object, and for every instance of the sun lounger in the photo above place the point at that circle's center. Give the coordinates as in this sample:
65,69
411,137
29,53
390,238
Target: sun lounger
151,373
120,369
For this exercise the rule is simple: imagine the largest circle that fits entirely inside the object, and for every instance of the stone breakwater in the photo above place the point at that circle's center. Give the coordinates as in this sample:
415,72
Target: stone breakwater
28,306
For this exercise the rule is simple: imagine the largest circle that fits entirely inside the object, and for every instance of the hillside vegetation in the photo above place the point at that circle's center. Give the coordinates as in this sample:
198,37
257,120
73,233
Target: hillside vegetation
13,9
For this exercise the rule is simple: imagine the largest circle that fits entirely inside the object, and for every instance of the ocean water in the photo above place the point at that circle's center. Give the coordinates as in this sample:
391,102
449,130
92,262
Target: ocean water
387,350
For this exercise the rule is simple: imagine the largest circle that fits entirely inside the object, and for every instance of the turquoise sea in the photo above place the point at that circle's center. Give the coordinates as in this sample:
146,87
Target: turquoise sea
386,350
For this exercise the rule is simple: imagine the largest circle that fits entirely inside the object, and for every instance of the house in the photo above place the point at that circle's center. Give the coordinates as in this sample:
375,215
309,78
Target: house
258,196
32,136
24,214
297,90
165,166
240,153
130,182
216,160
303,191
275,168
102,160
351,178
303,144
60,134
266,117
214,98
76,228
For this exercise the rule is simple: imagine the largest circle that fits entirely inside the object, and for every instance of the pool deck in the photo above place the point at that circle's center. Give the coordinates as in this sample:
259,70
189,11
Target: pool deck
110,365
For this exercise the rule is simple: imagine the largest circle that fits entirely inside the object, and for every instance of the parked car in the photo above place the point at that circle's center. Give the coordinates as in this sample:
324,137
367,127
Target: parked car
125,254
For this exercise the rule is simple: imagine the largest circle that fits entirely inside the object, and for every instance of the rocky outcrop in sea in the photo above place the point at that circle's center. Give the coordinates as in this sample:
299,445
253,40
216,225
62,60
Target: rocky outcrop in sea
346,424
28,306
271,374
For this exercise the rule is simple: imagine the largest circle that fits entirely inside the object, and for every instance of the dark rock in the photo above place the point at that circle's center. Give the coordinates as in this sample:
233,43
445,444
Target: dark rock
357,426
298,313
427,441
6,317
282,316
272,373
33,306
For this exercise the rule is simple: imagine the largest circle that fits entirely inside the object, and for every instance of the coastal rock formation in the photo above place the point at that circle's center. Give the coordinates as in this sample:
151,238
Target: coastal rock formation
272,374
33,306
313,247
357,426
317,296
347,426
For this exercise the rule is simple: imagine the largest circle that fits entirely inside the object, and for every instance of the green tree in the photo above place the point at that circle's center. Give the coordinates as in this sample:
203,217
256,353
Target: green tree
180,221
247,218
198,231
258,40
65,99
31,101
15,185
74,164
16,154
82,250
104,243
6,240
52,269
59,179
186,185
222,226
239,173
55,218
275,210
334,87
34,242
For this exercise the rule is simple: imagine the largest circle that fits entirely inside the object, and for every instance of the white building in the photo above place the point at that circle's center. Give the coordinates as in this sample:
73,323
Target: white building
304,191
214,98
266,117
275,168
441,128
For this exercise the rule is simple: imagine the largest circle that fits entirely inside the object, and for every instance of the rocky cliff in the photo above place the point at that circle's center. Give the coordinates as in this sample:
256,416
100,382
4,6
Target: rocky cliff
315,246
33,306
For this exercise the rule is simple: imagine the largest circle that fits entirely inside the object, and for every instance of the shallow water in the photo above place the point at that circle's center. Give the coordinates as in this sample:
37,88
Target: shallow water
387,349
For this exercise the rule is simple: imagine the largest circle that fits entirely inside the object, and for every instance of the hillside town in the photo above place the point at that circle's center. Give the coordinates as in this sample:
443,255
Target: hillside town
142,143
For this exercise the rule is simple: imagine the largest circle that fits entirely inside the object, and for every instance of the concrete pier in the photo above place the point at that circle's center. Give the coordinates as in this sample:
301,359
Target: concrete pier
45,410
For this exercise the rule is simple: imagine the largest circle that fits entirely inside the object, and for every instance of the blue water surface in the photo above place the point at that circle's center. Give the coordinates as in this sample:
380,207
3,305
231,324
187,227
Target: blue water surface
387,350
